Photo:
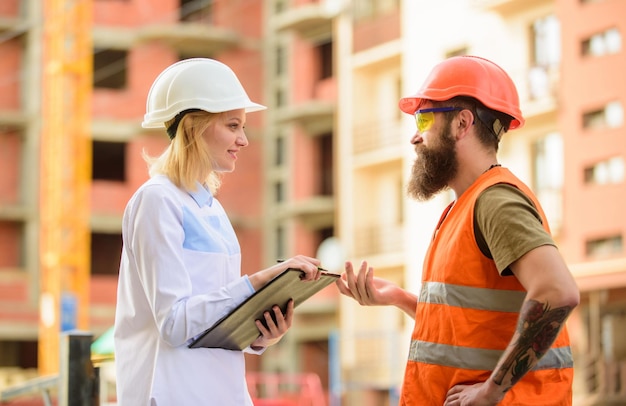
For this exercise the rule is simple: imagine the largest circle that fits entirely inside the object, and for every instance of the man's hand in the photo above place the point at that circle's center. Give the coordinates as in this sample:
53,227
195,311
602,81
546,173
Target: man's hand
364,288
371,291
479,394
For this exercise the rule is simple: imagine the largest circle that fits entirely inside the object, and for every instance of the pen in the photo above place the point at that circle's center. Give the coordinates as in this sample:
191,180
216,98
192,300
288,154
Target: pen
318,268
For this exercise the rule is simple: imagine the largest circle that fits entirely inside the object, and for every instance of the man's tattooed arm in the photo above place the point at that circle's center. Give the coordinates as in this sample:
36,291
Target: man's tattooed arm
537,328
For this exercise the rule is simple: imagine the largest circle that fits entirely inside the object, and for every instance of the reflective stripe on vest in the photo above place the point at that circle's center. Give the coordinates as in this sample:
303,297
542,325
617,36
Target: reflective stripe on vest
509,301
480,359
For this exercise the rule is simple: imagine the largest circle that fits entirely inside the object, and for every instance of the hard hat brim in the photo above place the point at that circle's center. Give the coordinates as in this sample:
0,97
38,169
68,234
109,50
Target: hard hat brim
156,120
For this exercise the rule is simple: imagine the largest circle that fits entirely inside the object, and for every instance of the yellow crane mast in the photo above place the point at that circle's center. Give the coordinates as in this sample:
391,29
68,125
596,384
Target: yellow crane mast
65,174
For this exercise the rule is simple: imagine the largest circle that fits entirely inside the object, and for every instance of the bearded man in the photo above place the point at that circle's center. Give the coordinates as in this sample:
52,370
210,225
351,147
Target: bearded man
496,292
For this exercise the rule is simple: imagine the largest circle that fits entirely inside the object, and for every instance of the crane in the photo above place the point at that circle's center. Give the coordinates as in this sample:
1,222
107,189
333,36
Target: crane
65,174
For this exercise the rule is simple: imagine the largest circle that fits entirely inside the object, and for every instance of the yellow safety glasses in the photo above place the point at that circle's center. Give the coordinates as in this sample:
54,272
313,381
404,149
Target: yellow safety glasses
425,118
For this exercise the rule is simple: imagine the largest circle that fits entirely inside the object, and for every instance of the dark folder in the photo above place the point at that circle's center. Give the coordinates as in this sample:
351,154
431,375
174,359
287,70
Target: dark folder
237,330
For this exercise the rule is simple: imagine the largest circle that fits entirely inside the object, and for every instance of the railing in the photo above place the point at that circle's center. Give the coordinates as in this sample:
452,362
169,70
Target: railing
543,82
378,359
41,385
379,239
605,382
375,135
76,383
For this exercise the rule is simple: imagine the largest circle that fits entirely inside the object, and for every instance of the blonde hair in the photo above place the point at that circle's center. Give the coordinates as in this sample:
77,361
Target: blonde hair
187,159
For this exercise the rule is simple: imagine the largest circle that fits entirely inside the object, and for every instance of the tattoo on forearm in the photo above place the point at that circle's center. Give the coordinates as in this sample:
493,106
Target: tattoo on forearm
537,328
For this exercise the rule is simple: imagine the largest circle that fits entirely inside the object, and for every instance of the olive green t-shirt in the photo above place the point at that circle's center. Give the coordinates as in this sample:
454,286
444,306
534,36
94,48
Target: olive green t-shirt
507,225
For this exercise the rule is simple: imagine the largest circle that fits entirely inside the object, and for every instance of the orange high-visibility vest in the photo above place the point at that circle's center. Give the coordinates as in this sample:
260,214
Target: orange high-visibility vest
467,314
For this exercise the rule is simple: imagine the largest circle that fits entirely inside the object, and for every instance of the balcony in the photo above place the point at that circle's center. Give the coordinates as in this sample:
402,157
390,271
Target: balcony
378,239
11,24
316,212
507,7
12,120
315,116
311,21
375,135
15,212
185,37
377,359
114,37
542,89
115,130
191,37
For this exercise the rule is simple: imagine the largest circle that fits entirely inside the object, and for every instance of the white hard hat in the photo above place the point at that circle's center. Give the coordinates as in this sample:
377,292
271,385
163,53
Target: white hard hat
196,83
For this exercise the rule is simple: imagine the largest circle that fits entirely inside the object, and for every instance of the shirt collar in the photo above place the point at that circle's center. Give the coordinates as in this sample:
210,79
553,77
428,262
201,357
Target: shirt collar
202,195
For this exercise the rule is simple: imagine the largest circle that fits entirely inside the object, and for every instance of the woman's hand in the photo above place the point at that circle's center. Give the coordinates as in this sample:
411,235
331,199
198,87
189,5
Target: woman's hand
308,265
274,331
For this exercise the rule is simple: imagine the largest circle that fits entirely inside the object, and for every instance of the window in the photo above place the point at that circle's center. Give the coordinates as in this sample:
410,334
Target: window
12,243
196,10
109,161
546,42
279,192
325,52
325,143
281,61
400,200
399,114
105,253
280,242
545,57
604,43
604,247
610,116
548,175
610,171
279,6
18,353
109,68
280,98
279,151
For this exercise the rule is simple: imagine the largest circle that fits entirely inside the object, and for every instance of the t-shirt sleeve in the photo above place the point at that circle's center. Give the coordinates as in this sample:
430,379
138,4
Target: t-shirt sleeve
507,225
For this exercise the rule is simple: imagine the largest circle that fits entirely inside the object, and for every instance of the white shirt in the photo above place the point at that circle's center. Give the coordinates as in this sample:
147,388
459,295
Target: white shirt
180,272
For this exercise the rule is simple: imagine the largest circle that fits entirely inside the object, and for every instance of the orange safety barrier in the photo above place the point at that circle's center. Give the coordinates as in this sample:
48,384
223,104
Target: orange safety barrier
281,389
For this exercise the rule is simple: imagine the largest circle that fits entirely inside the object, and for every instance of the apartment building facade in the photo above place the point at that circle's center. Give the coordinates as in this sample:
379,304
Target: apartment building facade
564,57
331,157
298,192
288,157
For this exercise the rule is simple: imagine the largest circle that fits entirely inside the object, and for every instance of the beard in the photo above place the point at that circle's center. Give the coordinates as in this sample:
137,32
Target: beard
434,167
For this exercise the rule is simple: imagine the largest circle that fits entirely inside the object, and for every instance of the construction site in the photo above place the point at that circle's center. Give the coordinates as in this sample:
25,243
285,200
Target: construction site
326,166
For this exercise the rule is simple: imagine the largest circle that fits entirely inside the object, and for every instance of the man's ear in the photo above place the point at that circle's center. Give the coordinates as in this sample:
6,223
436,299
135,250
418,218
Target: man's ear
465,120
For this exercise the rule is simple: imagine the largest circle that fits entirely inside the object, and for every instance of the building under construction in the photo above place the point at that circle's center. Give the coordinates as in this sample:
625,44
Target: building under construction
330,157
72,157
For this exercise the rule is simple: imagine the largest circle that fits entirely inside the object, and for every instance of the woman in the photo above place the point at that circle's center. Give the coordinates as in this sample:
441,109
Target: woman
180,265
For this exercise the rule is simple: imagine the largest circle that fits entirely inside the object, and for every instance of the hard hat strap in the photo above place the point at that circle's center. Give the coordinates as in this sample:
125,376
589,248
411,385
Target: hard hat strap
491,121
171,130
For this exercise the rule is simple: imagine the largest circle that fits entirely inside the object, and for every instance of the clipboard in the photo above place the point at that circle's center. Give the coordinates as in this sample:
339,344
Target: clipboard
237,330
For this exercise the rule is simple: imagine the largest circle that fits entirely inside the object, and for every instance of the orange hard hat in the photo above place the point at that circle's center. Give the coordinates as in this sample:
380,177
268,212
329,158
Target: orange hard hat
471,76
